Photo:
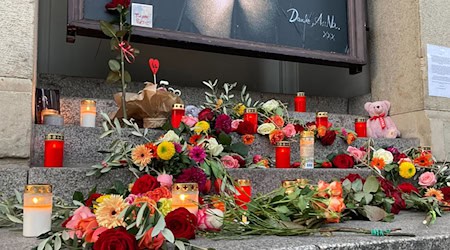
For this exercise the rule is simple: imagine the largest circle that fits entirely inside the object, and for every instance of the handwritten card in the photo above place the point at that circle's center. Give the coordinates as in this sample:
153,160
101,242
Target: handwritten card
142,15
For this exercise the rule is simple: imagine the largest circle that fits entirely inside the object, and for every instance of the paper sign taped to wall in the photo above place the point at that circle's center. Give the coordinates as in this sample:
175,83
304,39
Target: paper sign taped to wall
438,70
142,15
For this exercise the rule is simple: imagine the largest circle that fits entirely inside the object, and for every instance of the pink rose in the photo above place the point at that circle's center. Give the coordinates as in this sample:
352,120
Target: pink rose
201,219
289,130
166,180
189,120
257,158
229,162
235,124
210,219
80,214
427,179
357,154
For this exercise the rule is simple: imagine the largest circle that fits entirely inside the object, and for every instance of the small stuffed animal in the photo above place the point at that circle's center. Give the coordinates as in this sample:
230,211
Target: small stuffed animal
380,125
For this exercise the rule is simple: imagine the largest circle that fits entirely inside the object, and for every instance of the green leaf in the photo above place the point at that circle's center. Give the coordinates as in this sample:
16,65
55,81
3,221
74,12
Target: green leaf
118,126
107,29
48,247
368,197
114,65
180,245
140,214
239,148
357,185
347,185
112,77
127,77
302,204
65,236
389,167
374,213
136,133
121,33
359,196
371,185
282,209
57,244
168,235
43,244
159,227
14,219
78,196
18,196
224,139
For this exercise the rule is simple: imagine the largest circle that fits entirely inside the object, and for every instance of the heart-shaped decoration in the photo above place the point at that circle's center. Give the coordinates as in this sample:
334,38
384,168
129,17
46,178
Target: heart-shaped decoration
154,65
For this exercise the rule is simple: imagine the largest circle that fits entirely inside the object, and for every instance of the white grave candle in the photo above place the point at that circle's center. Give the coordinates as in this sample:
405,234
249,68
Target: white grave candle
37,210
88,112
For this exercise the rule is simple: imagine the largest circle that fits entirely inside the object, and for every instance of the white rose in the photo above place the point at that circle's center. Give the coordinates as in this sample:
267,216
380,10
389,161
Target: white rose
266,128
214,218
270,105
214,147
385,155
171,136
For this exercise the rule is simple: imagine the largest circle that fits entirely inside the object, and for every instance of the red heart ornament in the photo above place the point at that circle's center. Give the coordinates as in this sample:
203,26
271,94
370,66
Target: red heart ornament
154,65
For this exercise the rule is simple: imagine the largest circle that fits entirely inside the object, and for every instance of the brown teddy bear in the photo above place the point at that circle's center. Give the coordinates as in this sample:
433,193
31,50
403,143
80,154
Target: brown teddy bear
380,125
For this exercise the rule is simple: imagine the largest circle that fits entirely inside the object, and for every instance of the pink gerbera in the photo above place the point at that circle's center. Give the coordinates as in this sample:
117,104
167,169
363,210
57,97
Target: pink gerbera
197,154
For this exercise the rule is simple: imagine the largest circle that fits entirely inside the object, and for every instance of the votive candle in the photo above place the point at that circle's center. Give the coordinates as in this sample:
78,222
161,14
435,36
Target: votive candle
46,112
300,102
321,119
54,120
88,111
177,114
251,116
54,150
283,155
307,149
244,193
37,210
185,195
361,127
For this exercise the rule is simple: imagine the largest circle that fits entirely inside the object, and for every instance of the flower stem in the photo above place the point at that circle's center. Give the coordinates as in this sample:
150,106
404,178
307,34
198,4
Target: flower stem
122,67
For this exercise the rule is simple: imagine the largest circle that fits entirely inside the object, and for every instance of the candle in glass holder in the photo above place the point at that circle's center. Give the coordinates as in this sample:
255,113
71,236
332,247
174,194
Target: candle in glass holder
300,102
37,210
185,195
244,193
88,112
361,127
425,149
54,150
251,116
54,120
307,149
322,119
177,114
289,186
46,112
283,155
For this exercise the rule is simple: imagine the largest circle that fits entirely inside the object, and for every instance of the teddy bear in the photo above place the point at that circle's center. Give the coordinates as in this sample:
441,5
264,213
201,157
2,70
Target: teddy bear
380,125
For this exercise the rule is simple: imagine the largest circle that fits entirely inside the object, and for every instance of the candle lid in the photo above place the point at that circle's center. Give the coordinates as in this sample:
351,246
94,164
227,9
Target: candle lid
243,182
178,106
91,102
58,137
185,187
49,112
361,119
251,110
307,133
425,148
300,93
54,115
38,189
288,184
322,114
283,144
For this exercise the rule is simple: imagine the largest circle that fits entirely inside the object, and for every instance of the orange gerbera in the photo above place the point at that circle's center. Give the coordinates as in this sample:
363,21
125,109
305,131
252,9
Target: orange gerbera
152,148
141,156
350,138
424,160
431,192
378,163
248,139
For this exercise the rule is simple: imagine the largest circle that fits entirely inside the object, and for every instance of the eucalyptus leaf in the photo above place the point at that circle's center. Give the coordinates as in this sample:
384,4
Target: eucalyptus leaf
168,235
368,198
57,243
48,247
180,245
43,243
140,214
371,185
14,219
159,227
65,236
359,196
357,185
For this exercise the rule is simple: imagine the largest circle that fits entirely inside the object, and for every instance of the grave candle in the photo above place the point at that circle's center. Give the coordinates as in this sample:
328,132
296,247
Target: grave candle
283,155
244,194
300,102
251,116
46,112
88,112
54,150
54,119
37,210
185,195
361,127
177,114
322,119
307,149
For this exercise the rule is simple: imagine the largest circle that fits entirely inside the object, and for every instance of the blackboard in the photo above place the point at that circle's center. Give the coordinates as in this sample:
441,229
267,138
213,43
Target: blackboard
328,32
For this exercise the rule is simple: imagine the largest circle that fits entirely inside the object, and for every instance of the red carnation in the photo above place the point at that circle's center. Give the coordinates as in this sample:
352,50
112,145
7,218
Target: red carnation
182,223
343,161
92,197
206,115
115,3
245,128
328,138
407,187
144,184
223,124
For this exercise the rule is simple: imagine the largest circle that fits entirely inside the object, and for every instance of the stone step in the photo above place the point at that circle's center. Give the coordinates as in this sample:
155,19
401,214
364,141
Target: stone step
82,144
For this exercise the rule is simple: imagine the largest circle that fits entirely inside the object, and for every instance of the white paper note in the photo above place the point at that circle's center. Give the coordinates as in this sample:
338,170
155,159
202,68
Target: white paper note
438,70
142,15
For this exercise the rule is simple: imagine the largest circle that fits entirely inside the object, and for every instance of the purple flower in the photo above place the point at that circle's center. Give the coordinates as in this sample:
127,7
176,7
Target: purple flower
193,175
192,110
223,124
197,154
178,147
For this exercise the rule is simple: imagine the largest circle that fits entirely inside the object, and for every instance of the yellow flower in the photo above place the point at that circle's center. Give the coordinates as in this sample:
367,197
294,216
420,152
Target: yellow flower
166,150
239,109
165,206
201,126
100,200
431,192
108,211
407,170
141,156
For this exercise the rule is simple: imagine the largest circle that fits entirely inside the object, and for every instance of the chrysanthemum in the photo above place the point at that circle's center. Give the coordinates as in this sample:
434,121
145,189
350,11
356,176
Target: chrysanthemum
201,126
108,212
378,163
193,175
431,192
141,156
407,170
165,206
197,154
166,150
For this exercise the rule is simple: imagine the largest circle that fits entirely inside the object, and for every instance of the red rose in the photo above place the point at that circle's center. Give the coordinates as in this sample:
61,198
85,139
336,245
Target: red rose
182,223
240,160
343,161
206,115
353,177
407,187
446,192
327,164
299,128
144,184
245,128
328,138
399,203
116,238
112,5
92,197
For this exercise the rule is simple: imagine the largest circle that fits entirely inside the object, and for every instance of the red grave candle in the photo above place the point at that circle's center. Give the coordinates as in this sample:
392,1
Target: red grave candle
300,102
361,127
54,150
283,155
322,119
244,189
251,115
177,114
